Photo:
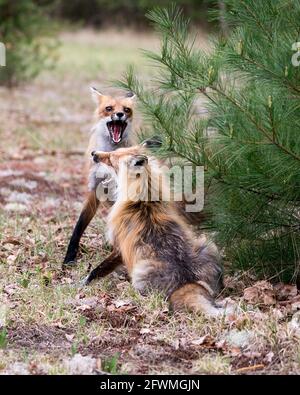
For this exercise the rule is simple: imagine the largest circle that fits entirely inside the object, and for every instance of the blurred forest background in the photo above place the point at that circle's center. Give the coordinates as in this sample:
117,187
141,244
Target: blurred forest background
30,28
105,13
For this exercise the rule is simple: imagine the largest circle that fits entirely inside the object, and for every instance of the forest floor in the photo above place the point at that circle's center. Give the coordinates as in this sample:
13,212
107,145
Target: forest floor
50,326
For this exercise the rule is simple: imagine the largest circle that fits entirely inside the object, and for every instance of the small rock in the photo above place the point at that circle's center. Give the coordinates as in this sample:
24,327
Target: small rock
295,306
18,368
285,291
260,293
121,303
240,338
19,197
145,331
90,302
70,337
10,172
294,324
5,191
128,368
3,315
81,365
269,357
15,207
22,182
11,259
50,202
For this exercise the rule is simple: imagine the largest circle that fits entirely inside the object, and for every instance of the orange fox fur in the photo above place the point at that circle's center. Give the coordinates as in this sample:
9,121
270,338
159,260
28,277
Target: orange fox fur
153,241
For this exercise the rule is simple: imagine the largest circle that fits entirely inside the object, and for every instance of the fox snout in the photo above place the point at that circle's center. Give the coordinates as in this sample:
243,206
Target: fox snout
98,155
139,160
118,116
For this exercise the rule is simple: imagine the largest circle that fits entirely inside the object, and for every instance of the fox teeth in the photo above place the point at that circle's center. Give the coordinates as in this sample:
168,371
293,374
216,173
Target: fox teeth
116,129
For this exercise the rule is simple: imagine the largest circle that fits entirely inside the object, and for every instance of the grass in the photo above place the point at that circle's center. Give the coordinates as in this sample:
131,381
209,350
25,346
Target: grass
46,320
105,53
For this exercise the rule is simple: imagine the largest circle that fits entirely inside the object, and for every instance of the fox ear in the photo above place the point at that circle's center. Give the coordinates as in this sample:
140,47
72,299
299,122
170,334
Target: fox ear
96,95
130,95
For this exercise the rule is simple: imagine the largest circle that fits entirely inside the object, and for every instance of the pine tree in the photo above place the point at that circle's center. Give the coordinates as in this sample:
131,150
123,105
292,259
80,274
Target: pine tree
30,40
249,141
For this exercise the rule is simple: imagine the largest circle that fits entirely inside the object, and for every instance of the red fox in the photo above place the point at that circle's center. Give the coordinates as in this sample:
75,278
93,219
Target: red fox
112,130
153,241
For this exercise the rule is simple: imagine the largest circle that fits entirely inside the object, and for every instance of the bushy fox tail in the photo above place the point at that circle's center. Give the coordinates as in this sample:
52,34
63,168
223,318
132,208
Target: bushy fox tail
197,298
200,295
210,270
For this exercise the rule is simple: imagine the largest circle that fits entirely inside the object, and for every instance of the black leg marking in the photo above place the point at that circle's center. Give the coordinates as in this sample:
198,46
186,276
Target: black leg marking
106,267
85,218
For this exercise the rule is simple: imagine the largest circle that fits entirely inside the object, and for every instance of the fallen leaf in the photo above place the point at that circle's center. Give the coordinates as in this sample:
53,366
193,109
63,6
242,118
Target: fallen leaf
295,306
260,293
285,291
58,324
145,331
91,302
234,351
269,299
83,307
80,295
294,324
221,344
176,343
121,303
206,339
11,240
252,354
11,289
69,337
278,313
268,358
251,295
11,259
67,280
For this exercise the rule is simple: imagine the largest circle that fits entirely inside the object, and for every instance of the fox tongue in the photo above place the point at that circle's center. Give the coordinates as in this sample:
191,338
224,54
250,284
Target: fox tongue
116,132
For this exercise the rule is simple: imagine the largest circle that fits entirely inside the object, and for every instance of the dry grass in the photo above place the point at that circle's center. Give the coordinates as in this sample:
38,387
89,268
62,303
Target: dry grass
45,319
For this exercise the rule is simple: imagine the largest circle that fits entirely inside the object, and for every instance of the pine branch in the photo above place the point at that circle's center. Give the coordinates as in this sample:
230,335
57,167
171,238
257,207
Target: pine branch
257,125
271,72
258,22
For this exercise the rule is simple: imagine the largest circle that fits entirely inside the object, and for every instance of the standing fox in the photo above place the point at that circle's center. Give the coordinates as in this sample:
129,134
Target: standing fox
153,241
112,130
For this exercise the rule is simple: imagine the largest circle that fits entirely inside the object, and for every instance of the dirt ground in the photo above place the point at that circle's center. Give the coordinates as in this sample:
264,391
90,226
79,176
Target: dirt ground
48,325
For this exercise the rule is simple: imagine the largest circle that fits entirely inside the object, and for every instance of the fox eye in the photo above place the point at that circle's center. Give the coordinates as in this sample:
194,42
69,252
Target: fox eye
127,110
108,108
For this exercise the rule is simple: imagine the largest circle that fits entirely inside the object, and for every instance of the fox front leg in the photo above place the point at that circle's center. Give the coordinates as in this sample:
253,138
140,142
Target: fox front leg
87,214
101,174
106,267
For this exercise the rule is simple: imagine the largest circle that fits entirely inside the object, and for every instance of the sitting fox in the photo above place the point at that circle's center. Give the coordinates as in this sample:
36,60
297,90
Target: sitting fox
152,239
112,130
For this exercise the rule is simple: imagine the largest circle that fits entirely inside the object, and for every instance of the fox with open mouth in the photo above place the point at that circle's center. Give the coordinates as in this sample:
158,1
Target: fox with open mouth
112,130
113,121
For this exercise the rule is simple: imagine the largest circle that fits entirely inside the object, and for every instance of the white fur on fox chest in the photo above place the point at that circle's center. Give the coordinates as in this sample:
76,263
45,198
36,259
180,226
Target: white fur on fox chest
100,141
